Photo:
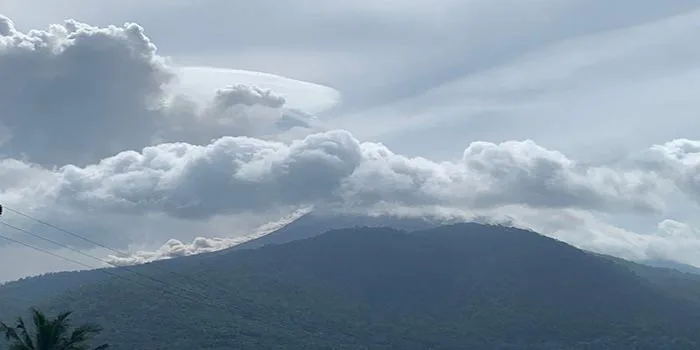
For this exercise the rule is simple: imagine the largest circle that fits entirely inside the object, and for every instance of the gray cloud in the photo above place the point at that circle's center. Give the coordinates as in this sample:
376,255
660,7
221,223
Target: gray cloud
246,95
7,28
529,174
237,174
236,110
162,165
376,52
176,248
79,91
678,160
75,93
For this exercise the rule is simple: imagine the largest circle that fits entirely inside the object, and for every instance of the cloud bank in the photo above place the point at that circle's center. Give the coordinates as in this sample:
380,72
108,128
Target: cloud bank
95,133
239,175
235,174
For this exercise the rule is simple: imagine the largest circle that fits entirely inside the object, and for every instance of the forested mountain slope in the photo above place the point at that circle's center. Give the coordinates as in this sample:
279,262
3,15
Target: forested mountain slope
465,286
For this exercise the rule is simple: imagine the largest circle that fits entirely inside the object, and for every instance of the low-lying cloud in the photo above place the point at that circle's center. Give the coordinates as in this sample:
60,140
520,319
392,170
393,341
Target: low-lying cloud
175,248
92,132
236,174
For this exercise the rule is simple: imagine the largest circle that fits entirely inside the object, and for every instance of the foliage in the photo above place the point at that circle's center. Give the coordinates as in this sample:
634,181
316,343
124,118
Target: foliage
453,287
50,334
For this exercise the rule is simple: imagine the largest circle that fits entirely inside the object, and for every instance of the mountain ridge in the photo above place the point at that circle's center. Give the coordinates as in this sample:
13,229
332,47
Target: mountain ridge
484,286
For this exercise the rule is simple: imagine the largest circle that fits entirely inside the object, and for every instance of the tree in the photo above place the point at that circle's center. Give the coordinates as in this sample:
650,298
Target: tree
50,334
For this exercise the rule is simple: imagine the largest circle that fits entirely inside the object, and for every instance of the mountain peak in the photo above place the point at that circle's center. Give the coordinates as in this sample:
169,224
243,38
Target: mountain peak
317,222
457,286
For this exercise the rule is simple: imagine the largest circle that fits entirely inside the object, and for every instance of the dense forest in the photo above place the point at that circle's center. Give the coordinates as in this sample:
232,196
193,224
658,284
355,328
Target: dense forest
464,286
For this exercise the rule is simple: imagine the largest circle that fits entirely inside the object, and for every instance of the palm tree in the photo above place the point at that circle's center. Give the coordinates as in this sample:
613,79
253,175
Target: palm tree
50,334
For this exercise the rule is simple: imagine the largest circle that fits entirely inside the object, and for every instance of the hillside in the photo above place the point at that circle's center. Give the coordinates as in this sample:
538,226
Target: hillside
14,296
314,224
452,287
17,295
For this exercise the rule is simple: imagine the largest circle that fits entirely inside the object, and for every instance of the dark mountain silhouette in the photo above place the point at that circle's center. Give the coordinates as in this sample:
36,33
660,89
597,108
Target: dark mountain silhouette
30,290
672,265
465,286
16,296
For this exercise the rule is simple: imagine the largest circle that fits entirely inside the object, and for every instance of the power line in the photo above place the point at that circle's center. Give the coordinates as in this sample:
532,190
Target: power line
27,245
2,222
223,289
45,251
85,239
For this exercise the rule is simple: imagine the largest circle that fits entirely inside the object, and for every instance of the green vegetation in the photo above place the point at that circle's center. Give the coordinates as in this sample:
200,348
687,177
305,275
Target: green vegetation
463,286
50,334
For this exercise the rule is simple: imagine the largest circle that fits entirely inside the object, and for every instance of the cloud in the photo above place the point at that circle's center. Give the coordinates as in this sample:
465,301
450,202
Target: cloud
574,95
233,175
236,110
516,182
104,134
175,248
75,84
679,160
670,241
490,175
246,95
201,82
674,229
7,28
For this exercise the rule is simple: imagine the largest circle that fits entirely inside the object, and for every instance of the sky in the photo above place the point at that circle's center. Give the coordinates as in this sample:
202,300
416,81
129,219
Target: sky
168,128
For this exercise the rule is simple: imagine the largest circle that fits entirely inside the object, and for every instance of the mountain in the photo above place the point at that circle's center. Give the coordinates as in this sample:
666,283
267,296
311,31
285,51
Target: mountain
465,286
15,295
672,265
314,223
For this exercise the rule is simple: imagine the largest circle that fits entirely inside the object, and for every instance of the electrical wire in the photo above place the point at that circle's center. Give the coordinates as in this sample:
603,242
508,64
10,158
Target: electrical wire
129,269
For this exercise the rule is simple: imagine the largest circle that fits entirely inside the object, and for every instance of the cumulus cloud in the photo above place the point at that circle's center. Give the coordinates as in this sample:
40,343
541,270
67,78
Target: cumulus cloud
236,110
75,93
79,91
679,160
6,26
246,95
514,182
92,127
237,174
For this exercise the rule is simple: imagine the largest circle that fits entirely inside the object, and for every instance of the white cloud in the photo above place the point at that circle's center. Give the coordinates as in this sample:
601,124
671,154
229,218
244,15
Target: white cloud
175,248
235,174
603,92
679,160
670,241
242,175
7,27
201,82
167,158
74,85
674,229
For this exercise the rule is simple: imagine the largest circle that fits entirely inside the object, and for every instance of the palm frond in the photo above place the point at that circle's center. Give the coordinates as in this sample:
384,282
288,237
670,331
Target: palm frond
50,333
